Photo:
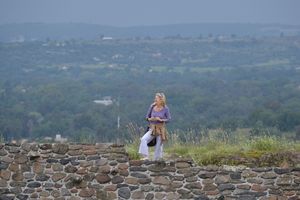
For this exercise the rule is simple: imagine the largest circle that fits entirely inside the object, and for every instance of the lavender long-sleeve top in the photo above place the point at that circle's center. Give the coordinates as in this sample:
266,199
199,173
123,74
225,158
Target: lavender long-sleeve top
162,114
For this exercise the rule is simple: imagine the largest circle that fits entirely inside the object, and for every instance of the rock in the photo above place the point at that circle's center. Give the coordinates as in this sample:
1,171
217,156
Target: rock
64,161
161,180
209,187
202,197
60,148
138,168
223,187
3,183
18,176
38,168
86,192
70,169
144,180
221,179
205,175
5,174
57,167
3,152
269,175
89,158
138,195
284,181
104,169
102,178
262,169
196,185
138,175
282,170
6,159
45,146
34,184
123,166
157,167
124,192
117,179
58,176
7,196
65,192
136,162
180,165
149,196
22,196
131,181
42,177
235,175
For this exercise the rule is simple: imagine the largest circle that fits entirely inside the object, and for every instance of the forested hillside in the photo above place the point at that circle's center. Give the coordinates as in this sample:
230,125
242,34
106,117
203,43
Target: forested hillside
49,87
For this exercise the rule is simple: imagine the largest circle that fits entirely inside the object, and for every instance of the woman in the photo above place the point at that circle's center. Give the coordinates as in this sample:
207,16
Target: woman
157,115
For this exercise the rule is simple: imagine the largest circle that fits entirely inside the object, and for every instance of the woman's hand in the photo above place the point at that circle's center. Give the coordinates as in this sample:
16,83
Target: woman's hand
159,119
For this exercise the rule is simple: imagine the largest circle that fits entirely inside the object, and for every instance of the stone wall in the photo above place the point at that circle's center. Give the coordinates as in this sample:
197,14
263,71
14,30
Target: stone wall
103,171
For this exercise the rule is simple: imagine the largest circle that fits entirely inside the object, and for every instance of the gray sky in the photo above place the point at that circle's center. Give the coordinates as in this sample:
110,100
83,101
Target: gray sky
150,12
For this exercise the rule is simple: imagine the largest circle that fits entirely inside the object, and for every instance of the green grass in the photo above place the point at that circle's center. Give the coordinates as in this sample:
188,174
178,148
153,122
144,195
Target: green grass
218,148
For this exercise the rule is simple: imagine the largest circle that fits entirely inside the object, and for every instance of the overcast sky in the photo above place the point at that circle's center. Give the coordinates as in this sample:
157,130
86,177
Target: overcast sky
150,12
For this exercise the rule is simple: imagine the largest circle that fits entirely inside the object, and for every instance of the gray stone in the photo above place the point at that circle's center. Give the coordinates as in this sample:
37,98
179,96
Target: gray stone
16,190
144,180
235,175
3,152
149,196
138,168
101,162
17,184
147,188
262,169
89,158
223,187
133,187
196,185
6,159
282,170
58,176
34,185
138,195
60,148
22,196
70,169
124,192
201,197
51,160
205,175
65,192
269,175
139,175
7,196
45,146
117,179
42,177
64,161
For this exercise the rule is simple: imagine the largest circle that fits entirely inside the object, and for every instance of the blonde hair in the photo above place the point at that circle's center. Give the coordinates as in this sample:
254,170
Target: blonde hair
162,97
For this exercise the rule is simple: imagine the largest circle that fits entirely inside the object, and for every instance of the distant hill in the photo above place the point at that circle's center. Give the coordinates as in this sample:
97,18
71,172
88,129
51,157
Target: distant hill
63,31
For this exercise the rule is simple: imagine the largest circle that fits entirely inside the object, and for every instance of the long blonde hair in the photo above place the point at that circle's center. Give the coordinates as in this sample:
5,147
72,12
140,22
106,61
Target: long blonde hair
162,97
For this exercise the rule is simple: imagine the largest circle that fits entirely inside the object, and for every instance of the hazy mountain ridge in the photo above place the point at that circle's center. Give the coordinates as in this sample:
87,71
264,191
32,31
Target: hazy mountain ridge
63,31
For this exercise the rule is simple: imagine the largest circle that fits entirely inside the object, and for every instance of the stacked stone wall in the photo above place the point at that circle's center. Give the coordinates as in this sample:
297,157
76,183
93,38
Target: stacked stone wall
104,171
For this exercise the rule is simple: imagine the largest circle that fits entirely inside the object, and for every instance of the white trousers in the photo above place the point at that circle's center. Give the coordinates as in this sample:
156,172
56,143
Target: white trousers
144,151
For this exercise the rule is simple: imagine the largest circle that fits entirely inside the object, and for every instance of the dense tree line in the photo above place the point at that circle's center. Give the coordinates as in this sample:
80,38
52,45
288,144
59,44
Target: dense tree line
48,87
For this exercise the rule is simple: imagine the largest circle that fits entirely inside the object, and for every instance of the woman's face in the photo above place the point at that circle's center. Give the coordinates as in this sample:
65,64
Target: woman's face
158,100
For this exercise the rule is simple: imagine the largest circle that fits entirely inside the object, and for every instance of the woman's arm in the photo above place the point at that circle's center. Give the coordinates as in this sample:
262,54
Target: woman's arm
148,115
167,116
